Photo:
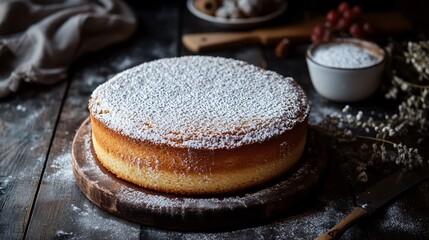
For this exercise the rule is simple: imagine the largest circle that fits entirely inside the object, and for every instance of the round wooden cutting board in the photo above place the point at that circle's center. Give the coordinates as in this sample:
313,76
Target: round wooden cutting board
255,206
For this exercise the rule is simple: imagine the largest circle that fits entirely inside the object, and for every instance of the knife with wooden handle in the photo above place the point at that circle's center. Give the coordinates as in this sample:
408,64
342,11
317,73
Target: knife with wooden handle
386,22
375,197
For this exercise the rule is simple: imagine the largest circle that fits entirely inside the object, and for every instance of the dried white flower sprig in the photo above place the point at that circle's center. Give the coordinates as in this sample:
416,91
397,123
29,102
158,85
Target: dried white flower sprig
410,82
378,138
389,138
418,56
409,68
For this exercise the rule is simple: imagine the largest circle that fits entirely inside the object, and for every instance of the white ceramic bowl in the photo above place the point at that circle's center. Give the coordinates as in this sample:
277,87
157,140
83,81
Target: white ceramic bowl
346,84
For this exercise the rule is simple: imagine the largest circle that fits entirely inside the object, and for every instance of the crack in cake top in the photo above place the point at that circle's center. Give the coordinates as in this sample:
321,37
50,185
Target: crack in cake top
199,102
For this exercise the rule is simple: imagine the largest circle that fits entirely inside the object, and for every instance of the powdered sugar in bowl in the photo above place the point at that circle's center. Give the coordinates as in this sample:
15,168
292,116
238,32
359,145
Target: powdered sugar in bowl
345,70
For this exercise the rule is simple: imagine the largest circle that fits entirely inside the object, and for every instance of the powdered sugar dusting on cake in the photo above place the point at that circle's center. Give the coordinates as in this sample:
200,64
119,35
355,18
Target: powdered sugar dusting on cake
199,102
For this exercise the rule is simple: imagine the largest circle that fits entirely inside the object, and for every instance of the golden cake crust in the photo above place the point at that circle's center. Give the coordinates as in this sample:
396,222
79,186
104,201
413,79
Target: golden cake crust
159,138
196,171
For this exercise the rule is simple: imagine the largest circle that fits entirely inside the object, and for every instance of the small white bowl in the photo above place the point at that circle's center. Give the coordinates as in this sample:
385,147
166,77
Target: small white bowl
346,84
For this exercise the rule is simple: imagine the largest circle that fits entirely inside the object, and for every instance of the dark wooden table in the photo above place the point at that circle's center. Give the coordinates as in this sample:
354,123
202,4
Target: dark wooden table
40,200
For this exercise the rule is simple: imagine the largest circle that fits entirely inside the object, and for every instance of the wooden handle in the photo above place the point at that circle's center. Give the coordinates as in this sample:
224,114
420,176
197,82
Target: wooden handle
199,42
209,41
295,31
338,230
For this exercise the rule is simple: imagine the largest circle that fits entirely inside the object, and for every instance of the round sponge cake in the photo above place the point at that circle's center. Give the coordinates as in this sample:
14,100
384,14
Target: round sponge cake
198,125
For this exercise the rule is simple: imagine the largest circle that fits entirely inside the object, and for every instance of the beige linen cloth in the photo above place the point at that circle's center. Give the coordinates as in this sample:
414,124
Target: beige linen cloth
38,42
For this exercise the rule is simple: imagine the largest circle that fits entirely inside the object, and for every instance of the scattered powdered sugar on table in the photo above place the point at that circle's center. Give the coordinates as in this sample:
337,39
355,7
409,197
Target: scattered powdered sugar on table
307,225
344,55
20,107
93,220
314,221
61,168
4,183
199,102
320,110
123,63
397,218
64,235
93,78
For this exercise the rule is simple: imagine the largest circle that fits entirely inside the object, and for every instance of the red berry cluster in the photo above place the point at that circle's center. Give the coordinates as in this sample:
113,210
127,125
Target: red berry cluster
343,21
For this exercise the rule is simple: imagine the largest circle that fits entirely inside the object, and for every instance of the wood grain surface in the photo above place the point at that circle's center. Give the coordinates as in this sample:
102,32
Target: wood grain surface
27,124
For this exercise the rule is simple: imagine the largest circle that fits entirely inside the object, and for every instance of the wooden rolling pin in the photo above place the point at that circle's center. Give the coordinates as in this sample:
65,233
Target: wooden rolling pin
386,22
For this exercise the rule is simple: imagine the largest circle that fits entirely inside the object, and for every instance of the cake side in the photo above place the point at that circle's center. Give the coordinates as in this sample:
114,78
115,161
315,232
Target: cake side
195,171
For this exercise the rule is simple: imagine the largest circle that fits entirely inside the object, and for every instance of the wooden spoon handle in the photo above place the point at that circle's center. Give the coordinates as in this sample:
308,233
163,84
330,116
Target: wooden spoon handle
210,41
199,42
338,230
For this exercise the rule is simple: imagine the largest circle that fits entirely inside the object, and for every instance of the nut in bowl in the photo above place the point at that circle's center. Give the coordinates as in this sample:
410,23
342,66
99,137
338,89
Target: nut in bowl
345,70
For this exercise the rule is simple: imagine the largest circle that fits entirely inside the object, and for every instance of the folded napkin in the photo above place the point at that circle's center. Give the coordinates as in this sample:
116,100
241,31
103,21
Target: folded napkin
38,42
